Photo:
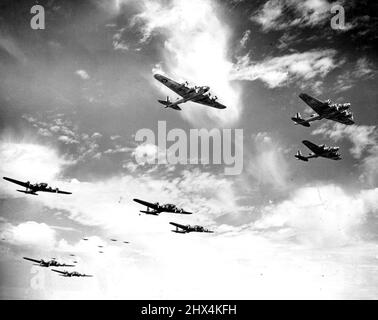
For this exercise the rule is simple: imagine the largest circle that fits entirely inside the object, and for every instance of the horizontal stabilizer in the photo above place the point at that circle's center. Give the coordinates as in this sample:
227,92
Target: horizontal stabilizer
299,156
164,102
174,106
168,104
299,120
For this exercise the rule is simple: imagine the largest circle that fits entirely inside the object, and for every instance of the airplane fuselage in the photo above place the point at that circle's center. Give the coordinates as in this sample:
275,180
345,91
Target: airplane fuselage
191,96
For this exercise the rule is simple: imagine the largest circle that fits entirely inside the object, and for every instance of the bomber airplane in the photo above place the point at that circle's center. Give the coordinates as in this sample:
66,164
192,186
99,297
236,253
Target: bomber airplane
158,208
36,187
71,274
48,263
319,151
196,94
188,228
325,110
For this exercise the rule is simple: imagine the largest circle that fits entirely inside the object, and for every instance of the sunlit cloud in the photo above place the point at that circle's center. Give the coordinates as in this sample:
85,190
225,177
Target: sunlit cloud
83,74
364,148
195,49
321,216
273,15
30,235
284,70
30,161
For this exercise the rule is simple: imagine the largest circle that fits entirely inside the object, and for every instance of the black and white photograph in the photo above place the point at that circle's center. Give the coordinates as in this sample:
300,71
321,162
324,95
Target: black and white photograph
188,150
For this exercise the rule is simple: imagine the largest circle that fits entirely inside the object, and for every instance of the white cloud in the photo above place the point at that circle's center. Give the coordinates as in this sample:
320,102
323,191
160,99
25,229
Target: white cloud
283,70
96,135
361,136
364,141
324,216
273,15
30,161
82,74
195,49
265,267
118,44
245,38
67,140
267,163
146,151
118,150
30,234
364,67
268,14
363,70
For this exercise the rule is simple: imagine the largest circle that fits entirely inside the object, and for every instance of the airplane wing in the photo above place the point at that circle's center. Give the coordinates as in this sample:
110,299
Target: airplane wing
346,121
33,260
64,192
205,100
54,191
185,212
177,225
173,85
67,265
24,184
318,106
86,275
62,272
312,146
147,204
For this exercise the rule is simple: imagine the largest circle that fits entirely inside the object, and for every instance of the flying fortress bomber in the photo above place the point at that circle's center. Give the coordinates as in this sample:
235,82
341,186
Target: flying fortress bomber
196,94
71,274
36,187
325,110
158,208
188,228
319,151
48,263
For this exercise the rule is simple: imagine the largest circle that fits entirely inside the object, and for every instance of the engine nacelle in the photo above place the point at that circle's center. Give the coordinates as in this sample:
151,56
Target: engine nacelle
344,106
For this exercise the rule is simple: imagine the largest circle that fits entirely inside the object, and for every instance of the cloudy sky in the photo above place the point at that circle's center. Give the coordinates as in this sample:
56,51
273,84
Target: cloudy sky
73,96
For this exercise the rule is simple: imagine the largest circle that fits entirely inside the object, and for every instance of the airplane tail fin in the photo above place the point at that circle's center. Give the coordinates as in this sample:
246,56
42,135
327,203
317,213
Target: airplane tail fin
299,120
167,102
299,156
